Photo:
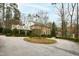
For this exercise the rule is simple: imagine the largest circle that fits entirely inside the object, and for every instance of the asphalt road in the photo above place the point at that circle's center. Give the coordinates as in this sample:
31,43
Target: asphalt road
16,46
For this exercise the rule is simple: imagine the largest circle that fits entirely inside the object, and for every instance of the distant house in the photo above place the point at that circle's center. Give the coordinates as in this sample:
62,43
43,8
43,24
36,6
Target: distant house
23,27
40,29
36,29
17,27
20,27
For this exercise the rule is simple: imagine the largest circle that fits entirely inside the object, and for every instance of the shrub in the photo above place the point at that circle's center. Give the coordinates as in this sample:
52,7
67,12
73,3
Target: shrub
15,32
71,39
29,33
9,34
1,29
22,32
7,31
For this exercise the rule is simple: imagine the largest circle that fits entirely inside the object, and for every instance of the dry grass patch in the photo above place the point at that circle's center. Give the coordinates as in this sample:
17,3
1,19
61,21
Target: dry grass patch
41,40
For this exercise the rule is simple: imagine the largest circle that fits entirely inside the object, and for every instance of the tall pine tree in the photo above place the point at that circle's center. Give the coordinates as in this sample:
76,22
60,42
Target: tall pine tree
53,30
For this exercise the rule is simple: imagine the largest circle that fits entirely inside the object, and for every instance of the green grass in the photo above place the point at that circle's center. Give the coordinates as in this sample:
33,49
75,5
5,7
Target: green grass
40,40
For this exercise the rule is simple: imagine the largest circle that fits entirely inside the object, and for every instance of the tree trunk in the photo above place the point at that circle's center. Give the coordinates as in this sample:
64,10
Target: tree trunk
77,22
3,15
71,27
62,18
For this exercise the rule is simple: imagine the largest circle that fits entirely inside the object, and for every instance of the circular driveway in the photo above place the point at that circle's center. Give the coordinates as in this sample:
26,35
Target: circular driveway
16,46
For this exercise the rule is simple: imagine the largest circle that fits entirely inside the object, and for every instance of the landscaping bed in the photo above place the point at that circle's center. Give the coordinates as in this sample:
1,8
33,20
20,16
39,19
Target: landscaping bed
40,40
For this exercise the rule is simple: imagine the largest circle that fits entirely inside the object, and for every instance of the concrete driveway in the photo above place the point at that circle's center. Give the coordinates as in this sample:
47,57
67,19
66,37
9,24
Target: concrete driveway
16,46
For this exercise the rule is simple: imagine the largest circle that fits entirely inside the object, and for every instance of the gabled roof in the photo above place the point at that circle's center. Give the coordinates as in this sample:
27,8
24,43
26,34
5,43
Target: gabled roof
42,25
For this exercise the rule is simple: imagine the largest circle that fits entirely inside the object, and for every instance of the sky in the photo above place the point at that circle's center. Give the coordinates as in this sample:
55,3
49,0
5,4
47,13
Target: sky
27,8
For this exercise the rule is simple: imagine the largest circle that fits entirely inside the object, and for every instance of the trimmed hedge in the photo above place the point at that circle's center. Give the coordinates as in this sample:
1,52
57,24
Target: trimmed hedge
22,32
15,32
1,30
7,31
18,33
71,39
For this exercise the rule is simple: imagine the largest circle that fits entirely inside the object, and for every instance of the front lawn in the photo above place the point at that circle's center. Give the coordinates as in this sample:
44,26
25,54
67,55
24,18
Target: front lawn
41,40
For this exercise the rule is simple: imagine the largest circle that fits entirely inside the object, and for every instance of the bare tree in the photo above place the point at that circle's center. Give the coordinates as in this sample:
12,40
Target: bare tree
39,17
3,25
71,8
63,16
77,28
